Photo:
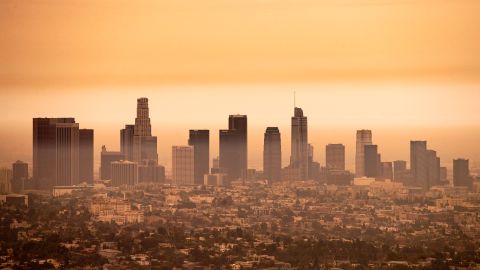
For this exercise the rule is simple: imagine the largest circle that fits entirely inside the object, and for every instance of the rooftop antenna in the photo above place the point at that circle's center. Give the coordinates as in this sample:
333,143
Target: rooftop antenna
294,99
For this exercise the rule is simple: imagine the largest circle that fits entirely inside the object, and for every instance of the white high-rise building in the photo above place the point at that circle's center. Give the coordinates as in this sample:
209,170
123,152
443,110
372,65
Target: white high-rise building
364,137
144,144
124,173
183,165
299,153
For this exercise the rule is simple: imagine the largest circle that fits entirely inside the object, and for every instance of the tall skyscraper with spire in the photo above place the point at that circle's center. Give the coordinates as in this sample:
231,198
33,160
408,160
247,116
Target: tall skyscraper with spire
144,144
364,137
299,145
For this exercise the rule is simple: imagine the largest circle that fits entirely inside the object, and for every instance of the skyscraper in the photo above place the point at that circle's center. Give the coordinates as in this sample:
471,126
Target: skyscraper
106,158
299,144
200,140
144,144
387,170
126,141
86,155
233,147
272,154
370,156
124,173
5,180
433,168
364,137
44,150
335,156
418,163
151,172
400,171
67,153
183,165
19,176
461,173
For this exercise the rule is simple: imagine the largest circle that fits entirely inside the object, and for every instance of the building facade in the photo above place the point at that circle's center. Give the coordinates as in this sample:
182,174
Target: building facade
183,165
124,173
86,155
335,156
144,144
200,140
364,137
299,144
272,154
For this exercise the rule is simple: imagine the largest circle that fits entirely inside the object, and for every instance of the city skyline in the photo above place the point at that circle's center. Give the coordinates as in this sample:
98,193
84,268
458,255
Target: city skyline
230,135
255,161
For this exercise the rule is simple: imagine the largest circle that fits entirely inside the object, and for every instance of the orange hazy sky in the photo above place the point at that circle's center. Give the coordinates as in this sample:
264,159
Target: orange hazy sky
115,41
406,69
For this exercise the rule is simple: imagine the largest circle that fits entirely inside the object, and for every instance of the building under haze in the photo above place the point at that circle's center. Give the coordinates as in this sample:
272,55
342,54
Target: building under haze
44,156
418,164
144,144
106,158
183,165
124,173
233,147
200,140
151,172
364,137
433,168
335,156
19,176
387,170
86,155
299,146
272,154
126,141
5,180
370,157
400,172
67,154
461,173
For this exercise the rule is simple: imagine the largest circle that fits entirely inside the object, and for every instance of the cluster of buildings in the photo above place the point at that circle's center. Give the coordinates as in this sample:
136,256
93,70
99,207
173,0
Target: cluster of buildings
63,157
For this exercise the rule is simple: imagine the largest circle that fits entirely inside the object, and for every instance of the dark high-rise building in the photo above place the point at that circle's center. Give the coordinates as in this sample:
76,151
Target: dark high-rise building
200,140
233,147
419,164
299,152
461,173
86,155
433,168
238,124
45,150
126,141
335,156
272,154
106,159
400,171
364,137
19,176
371,160
144,144
67,153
